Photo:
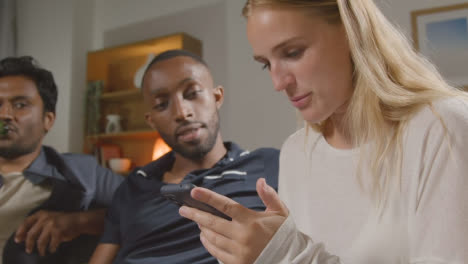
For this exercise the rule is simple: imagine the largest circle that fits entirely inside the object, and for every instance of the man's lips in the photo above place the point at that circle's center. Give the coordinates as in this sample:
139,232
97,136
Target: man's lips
189,135
301,100
186,128
188,132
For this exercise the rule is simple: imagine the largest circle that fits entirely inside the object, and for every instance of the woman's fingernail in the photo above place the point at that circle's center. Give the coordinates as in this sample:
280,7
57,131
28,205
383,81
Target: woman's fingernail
183,211
266,188
196,194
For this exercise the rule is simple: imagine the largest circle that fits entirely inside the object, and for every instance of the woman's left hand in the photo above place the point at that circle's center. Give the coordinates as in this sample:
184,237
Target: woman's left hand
244,238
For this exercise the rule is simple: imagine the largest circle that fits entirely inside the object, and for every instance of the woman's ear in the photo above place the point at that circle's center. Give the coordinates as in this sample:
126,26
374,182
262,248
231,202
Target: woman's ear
219,96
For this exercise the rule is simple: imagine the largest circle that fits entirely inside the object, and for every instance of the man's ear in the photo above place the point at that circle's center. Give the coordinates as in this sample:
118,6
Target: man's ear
219,96
149,120
49,120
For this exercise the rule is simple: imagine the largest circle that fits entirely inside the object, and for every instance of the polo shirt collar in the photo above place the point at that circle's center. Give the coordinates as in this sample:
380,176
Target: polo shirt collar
157,168
39,170
233,153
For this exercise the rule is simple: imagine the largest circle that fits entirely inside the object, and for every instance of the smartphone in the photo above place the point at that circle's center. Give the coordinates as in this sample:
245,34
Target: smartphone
180,194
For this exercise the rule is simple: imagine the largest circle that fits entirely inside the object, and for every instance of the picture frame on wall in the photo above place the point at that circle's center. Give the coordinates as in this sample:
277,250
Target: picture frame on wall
441,34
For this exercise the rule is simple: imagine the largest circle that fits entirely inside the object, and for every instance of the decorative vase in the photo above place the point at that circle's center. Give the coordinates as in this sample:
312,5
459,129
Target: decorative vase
113,124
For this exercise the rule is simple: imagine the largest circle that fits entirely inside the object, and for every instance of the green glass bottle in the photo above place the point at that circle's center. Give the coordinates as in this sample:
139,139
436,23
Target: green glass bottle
3,128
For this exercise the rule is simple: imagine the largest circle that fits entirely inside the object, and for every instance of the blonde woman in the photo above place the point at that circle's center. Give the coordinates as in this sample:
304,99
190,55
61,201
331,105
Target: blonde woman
379,174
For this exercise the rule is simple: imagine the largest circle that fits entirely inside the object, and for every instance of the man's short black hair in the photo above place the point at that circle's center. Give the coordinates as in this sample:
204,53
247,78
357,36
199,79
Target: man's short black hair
28,67
169,54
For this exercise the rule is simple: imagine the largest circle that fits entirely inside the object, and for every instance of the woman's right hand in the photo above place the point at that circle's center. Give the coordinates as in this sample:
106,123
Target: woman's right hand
243,239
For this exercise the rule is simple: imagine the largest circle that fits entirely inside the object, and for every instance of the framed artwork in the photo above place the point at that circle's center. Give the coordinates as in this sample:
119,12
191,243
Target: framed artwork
441,34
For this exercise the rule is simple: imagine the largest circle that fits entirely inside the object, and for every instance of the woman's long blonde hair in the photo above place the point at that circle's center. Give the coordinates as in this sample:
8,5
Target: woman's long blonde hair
391,81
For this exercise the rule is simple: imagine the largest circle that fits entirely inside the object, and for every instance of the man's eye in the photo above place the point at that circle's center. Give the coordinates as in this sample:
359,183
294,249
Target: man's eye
192,94
20,105
160,106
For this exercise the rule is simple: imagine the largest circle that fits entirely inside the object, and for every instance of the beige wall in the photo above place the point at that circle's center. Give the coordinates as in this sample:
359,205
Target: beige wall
43,32
58,33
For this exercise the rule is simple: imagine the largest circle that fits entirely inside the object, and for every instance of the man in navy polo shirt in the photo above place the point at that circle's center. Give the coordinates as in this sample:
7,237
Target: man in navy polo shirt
46,197
183,103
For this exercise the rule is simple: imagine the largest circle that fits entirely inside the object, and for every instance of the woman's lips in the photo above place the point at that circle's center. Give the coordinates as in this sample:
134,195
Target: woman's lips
300,101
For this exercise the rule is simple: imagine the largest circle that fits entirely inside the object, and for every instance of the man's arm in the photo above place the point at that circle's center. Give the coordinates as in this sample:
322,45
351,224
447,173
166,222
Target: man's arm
104,253
48,229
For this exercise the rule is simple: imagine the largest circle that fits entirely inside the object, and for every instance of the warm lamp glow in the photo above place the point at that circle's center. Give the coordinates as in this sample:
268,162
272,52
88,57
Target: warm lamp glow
160,148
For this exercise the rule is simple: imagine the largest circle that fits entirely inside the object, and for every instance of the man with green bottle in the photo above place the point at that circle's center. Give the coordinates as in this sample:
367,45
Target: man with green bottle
49,202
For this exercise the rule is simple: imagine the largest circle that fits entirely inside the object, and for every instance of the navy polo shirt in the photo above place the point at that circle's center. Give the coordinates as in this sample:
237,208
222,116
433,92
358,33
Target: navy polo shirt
148,227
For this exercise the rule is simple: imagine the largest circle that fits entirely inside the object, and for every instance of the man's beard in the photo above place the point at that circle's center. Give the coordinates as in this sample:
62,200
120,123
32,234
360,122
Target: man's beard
198,149
17,150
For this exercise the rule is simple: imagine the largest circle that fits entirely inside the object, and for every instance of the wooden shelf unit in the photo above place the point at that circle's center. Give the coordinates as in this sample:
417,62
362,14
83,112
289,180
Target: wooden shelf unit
142,134
116,67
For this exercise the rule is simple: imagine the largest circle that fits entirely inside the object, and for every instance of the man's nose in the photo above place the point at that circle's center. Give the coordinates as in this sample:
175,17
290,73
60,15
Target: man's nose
182,110
6,111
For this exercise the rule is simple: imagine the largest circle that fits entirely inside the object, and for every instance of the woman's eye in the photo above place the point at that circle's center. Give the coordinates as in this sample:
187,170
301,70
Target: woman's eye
266,66
294,53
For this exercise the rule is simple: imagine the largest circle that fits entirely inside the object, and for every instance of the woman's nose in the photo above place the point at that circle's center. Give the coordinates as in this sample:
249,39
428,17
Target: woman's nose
282,78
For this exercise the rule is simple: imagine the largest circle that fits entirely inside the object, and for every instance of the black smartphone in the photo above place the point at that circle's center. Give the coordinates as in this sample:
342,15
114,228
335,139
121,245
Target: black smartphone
180,194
